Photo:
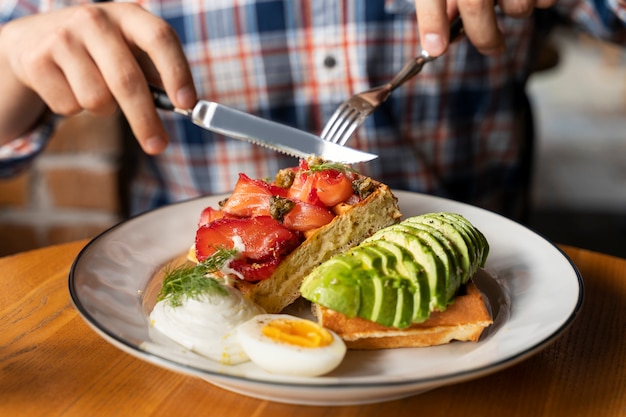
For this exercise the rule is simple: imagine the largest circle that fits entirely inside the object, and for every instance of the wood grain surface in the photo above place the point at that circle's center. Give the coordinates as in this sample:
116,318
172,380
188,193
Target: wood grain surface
53,364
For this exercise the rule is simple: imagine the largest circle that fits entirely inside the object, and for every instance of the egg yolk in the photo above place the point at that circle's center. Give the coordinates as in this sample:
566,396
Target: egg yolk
297,332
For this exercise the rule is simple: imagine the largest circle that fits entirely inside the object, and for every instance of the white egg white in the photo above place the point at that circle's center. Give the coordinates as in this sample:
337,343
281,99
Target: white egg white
284,358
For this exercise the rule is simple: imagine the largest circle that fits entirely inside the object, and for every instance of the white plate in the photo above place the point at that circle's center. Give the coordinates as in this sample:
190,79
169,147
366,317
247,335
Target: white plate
534,290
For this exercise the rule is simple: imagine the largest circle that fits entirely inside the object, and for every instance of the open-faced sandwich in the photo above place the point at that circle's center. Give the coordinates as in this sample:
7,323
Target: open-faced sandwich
323,232
408,285
277,231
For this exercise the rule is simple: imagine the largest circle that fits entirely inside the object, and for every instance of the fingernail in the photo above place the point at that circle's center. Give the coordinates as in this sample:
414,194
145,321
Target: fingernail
154,145
186,97
433,44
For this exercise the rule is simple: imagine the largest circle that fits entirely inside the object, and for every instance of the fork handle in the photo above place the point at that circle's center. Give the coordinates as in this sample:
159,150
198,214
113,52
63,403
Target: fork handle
456,28
411,69
414,66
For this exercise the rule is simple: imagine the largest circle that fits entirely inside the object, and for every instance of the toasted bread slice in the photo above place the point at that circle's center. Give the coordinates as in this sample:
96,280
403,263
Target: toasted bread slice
352,224
464,320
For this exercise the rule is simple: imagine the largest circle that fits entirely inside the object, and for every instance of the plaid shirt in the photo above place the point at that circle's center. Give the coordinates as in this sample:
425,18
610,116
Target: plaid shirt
456,130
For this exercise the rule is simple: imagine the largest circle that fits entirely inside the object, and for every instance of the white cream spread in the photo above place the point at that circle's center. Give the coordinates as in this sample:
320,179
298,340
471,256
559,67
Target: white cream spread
206,325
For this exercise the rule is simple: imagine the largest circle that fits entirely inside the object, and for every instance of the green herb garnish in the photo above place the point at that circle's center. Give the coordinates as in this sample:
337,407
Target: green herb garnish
336,166
191,281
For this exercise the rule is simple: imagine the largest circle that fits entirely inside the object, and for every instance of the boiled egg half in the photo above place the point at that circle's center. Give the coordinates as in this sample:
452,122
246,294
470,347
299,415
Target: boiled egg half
289,345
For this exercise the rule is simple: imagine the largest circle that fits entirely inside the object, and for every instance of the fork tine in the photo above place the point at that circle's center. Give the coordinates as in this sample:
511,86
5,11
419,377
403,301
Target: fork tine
343,130
336,130
336,122
348,128
346,135
331,122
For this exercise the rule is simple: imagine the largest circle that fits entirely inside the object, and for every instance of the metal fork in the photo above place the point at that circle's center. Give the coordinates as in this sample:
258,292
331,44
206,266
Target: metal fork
353,112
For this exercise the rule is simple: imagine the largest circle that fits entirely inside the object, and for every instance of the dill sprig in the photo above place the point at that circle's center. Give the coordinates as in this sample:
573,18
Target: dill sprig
337,166
191,281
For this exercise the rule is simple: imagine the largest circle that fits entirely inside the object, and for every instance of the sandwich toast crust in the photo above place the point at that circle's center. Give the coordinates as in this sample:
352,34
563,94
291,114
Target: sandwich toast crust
464,320
353,224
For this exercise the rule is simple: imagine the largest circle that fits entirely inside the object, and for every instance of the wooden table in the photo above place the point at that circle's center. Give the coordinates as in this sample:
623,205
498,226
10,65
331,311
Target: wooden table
53,364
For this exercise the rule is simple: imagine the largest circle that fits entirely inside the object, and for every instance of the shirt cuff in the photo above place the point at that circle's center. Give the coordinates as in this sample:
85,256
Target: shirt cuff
18,154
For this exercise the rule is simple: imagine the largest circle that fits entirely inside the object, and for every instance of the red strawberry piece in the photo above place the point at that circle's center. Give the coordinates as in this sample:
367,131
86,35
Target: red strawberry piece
261,237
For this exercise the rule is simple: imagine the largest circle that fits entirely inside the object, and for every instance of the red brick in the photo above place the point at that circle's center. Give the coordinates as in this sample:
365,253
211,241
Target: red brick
82,188
86,133
15,191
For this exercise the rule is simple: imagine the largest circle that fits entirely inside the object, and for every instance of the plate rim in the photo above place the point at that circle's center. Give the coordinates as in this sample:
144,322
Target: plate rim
323,382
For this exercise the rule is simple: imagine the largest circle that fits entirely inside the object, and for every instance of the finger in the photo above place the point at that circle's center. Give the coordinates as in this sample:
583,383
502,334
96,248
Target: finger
433,26
544,4
39,72
161,44
124,78
84,78
517,8
52,87
481,26
523,8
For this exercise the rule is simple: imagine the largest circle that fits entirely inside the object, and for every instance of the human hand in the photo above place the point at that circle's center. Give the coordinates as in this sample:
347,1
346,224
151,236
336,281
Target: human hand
99,57
479,21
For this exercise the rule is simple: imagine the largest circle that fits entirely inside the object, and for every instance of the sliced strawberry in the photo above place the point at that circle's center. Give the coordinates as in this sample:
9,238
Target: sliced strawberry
353,199
208,215
255,270
303,189
333,187
251,197
303,164
262,237
306,216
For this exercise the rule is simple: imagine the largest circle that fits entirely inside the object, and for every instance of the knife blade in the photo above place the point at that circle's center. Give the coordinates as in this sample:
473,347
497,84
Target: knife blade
244,126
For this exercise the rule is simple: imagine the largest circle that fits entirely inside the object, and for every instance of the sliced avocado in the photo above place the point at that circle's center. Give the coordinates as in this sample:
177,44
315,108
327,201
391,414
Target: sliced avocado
362,282
483,244
479,242
447,239
451,277
424,256
462,227
379,259
401,273
379,298
458,238
369,295
404,315
473,243
443,239
415,274
335,285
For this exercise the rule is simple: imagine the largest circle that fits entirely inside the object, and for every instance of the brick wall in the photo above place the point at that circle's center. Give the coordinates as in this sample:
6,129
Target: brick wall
71,191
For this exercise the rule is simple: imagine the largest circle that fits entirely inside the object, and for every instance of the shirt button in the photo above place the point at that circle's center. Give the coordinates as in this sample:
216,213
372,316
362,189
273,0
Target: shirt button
330,61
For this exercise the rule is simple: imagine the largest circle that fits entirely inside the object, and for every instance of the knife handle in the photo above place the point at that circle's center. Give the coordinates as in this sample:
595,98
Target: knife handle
161,100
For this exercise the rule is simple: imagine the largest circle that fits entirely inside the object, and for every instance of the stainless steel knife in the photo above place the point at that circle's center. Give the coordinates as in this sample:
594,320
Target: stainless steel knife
240,125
